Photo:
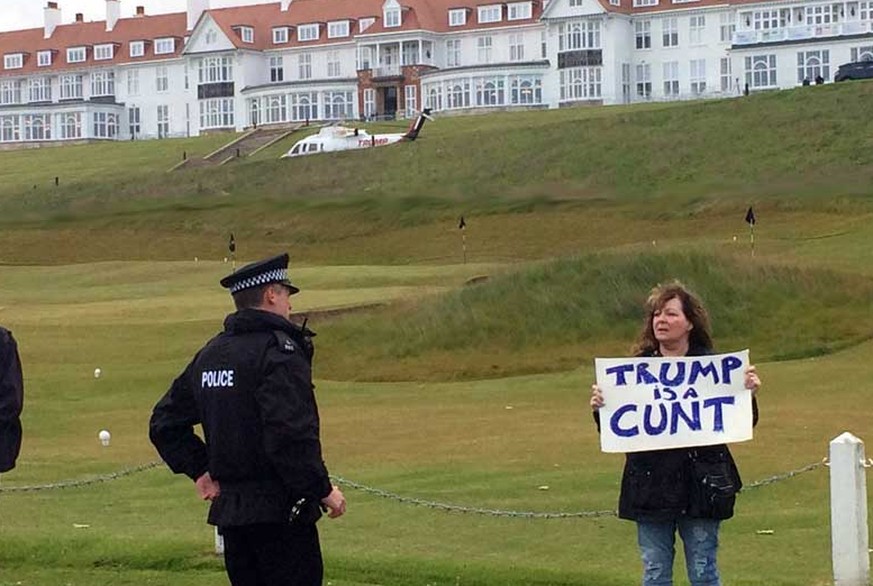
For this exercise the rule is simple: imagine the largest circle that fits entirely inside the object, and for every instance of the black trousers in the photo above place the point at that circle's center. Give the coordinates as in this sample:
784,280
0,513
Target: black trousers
273,555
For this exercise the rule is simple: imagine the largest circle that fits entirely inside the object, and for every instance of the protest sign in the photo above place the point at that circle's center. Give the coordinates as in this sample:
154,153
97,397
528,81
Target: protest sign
659,403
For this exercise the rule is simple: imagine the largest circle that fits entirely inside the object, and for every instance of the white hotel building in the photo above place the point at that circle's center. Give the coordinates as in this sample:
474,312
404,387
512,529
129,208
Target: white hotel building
154,76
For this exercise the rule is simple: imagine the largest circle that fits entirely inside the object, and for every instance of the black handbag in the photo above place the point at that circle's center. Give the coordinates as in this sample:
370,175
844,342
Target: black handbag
715,483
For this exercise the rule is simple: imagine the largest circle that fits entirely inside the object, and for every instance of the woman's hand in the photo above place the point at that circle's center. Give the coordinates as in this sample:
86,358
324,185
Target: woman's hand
596,398
753,383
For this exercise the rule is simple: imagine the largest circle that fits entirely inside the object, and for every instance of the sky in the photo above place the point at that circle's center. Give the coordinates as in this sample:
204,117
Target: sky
22,14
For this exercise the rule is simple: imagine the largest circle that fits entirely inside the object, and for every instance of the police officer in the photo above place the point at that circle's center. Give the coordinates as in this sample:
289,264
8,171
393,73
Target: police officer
260,464
11,401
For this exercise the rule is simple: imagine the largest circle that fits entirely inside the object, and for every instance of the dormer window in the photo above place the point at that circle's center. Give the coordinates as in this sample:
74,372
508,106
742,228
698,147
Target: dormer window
307,32
391,14
137,48
247,34
519,11
44,58
13,61
491,13
165,46
365,23
457,17
76,55
211,37
280,35
103,52
337,29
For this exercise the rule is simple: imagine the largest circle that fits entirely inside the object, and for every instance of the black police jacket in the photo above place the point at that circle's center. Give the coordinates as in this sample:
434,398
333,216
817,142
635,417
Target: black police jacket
251,389
11,401
663,485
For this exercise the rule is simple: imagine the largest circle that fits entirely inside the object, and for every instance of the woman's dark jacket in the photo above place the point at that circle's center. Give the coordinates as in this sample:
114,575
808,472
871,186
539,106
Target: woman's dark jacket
11,401
251,389
663,485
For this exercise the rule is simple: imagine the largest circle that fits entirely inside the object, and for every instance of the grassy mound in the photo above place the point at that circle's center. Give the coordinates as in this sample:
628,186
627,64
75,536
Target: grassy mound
558,314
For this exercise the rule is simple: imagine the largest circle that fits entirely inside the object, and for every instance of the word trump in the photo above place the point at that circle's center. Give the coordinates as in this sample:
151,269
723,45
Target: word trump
660,403
210,379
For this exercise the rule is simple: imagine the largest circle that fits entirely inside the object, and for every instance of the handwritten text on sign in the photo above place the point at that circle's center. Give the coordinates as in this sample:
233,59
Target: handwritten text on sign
659,403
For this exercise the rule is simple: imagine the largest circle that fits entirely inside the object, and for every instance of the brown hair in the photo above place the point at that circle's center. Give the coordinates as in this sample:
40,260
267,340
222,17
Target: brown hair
251,297
700,335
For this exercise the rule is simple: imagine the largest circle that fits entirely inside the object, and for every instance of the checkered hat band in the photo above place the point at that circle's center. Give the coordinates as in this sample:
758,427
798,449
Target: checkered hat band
273,276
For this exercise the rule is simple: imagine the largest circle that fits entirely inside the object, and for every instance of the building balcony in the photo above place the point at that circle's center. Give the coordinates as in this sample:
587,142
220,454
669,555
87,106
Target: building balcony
800,33
387,71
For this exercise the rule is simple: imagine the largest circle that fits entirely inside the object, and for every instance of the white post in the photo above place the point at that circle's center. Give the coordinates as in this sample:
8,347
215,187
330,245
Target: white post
219,543
849,536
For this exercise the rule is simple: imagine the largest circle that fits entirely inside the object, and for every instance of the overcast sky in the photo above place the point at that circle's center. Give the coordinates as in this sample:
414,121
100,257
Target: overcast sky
21,14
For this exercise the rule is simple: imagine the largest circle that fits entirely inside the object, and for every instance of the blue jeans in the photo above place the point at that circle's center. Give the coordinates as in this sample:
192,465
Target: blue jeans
700,538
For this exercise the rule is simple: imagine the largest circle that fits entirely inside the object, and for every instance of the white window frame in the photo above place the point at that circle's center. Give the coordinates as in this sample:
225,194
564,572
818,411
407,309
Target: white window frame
696,29
516,46
43,58
726,74
307,32
71,86
457,17
392,18
365,23
13,61
484,49
813,63
277,68
671,79
761,71
338,29
490,13
410,100
137,48
280,35
104,52
519,11
643,34
102,83
580,83
76,55
639,3
727,27
697,76
334,64
133,82
162,79
644,81
165,46
369,102
39,89
163,120
453,53
304,66
247,34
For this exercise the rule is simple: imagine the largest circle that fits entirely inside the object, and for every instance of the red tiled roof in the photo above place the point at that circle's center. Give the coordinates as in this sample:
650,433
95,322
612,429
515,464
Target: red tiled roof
79,34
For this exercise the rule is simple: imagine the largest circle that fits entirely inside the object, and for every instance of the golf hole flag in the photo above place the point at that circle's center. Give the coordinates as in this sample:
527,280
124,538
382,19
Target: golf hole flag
660,403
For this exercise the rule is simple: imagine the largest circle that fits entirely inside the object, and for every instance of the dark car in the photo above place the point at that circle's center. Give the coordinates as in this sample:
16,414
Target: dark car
859,70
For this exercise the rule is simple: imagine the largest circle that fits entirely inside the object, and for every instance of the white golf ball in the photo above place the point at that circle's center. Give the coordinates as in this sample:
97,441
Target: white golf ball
97,373
104,437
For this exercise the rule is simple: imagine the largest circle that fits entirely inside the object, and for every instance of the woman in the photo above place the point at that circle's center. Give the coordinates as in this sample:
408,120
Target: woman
661,490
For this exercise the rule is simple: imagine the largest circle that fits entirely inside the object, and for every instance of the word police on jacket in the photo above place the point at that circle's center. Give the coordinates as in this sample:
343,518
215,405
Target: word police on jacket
211,379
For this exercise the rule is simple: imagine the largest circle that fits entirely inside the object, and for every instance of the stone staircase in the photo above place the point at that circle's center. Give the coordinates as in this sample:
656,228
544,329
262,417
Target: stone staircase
246,145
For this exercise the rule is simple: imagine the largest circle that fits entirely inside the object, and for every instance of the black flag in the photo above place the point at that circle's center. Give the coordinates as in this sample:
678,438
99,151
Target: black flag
750,217
462,224
231,245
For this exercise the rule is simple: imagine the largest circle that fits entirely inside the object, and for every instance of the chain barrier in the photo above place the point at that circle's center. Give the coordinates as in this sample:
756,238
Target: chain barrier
378,492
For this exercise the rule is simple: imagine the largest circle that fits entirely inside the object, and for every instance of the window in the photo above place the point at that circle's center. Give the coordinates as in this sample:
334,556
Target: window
866,10
165,46
71,125
337,29
580,83
544,45
861,54
812,64
162,79
519,11
698,76
216,113
643,34
338,105
71,87
525,90
277,69
304,66
726,74
369,102
761,71
76,55
102,83
247,34
484,46
307,32
671,32
280,35
304,106
37,127
410,100
458,17
727,27
458,94
644,81
578,35
10,128
453,53
434,99
392,17
14,61
490,13
215,70
638,3
821,14
105,125
133,122
43,58
334,64
489,91
767,20
40,89
137,48
696,26
10,92
163,121
104,52
276,108
671,79
133,82
516,47
409,53
365,23
211,37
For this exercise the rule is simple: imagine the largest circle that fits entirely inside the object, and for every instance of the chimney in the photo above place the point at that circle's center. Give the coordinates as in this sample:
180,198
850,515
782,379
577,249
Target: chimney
80,17
113,11
195,9
285,5
140,11
52,19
